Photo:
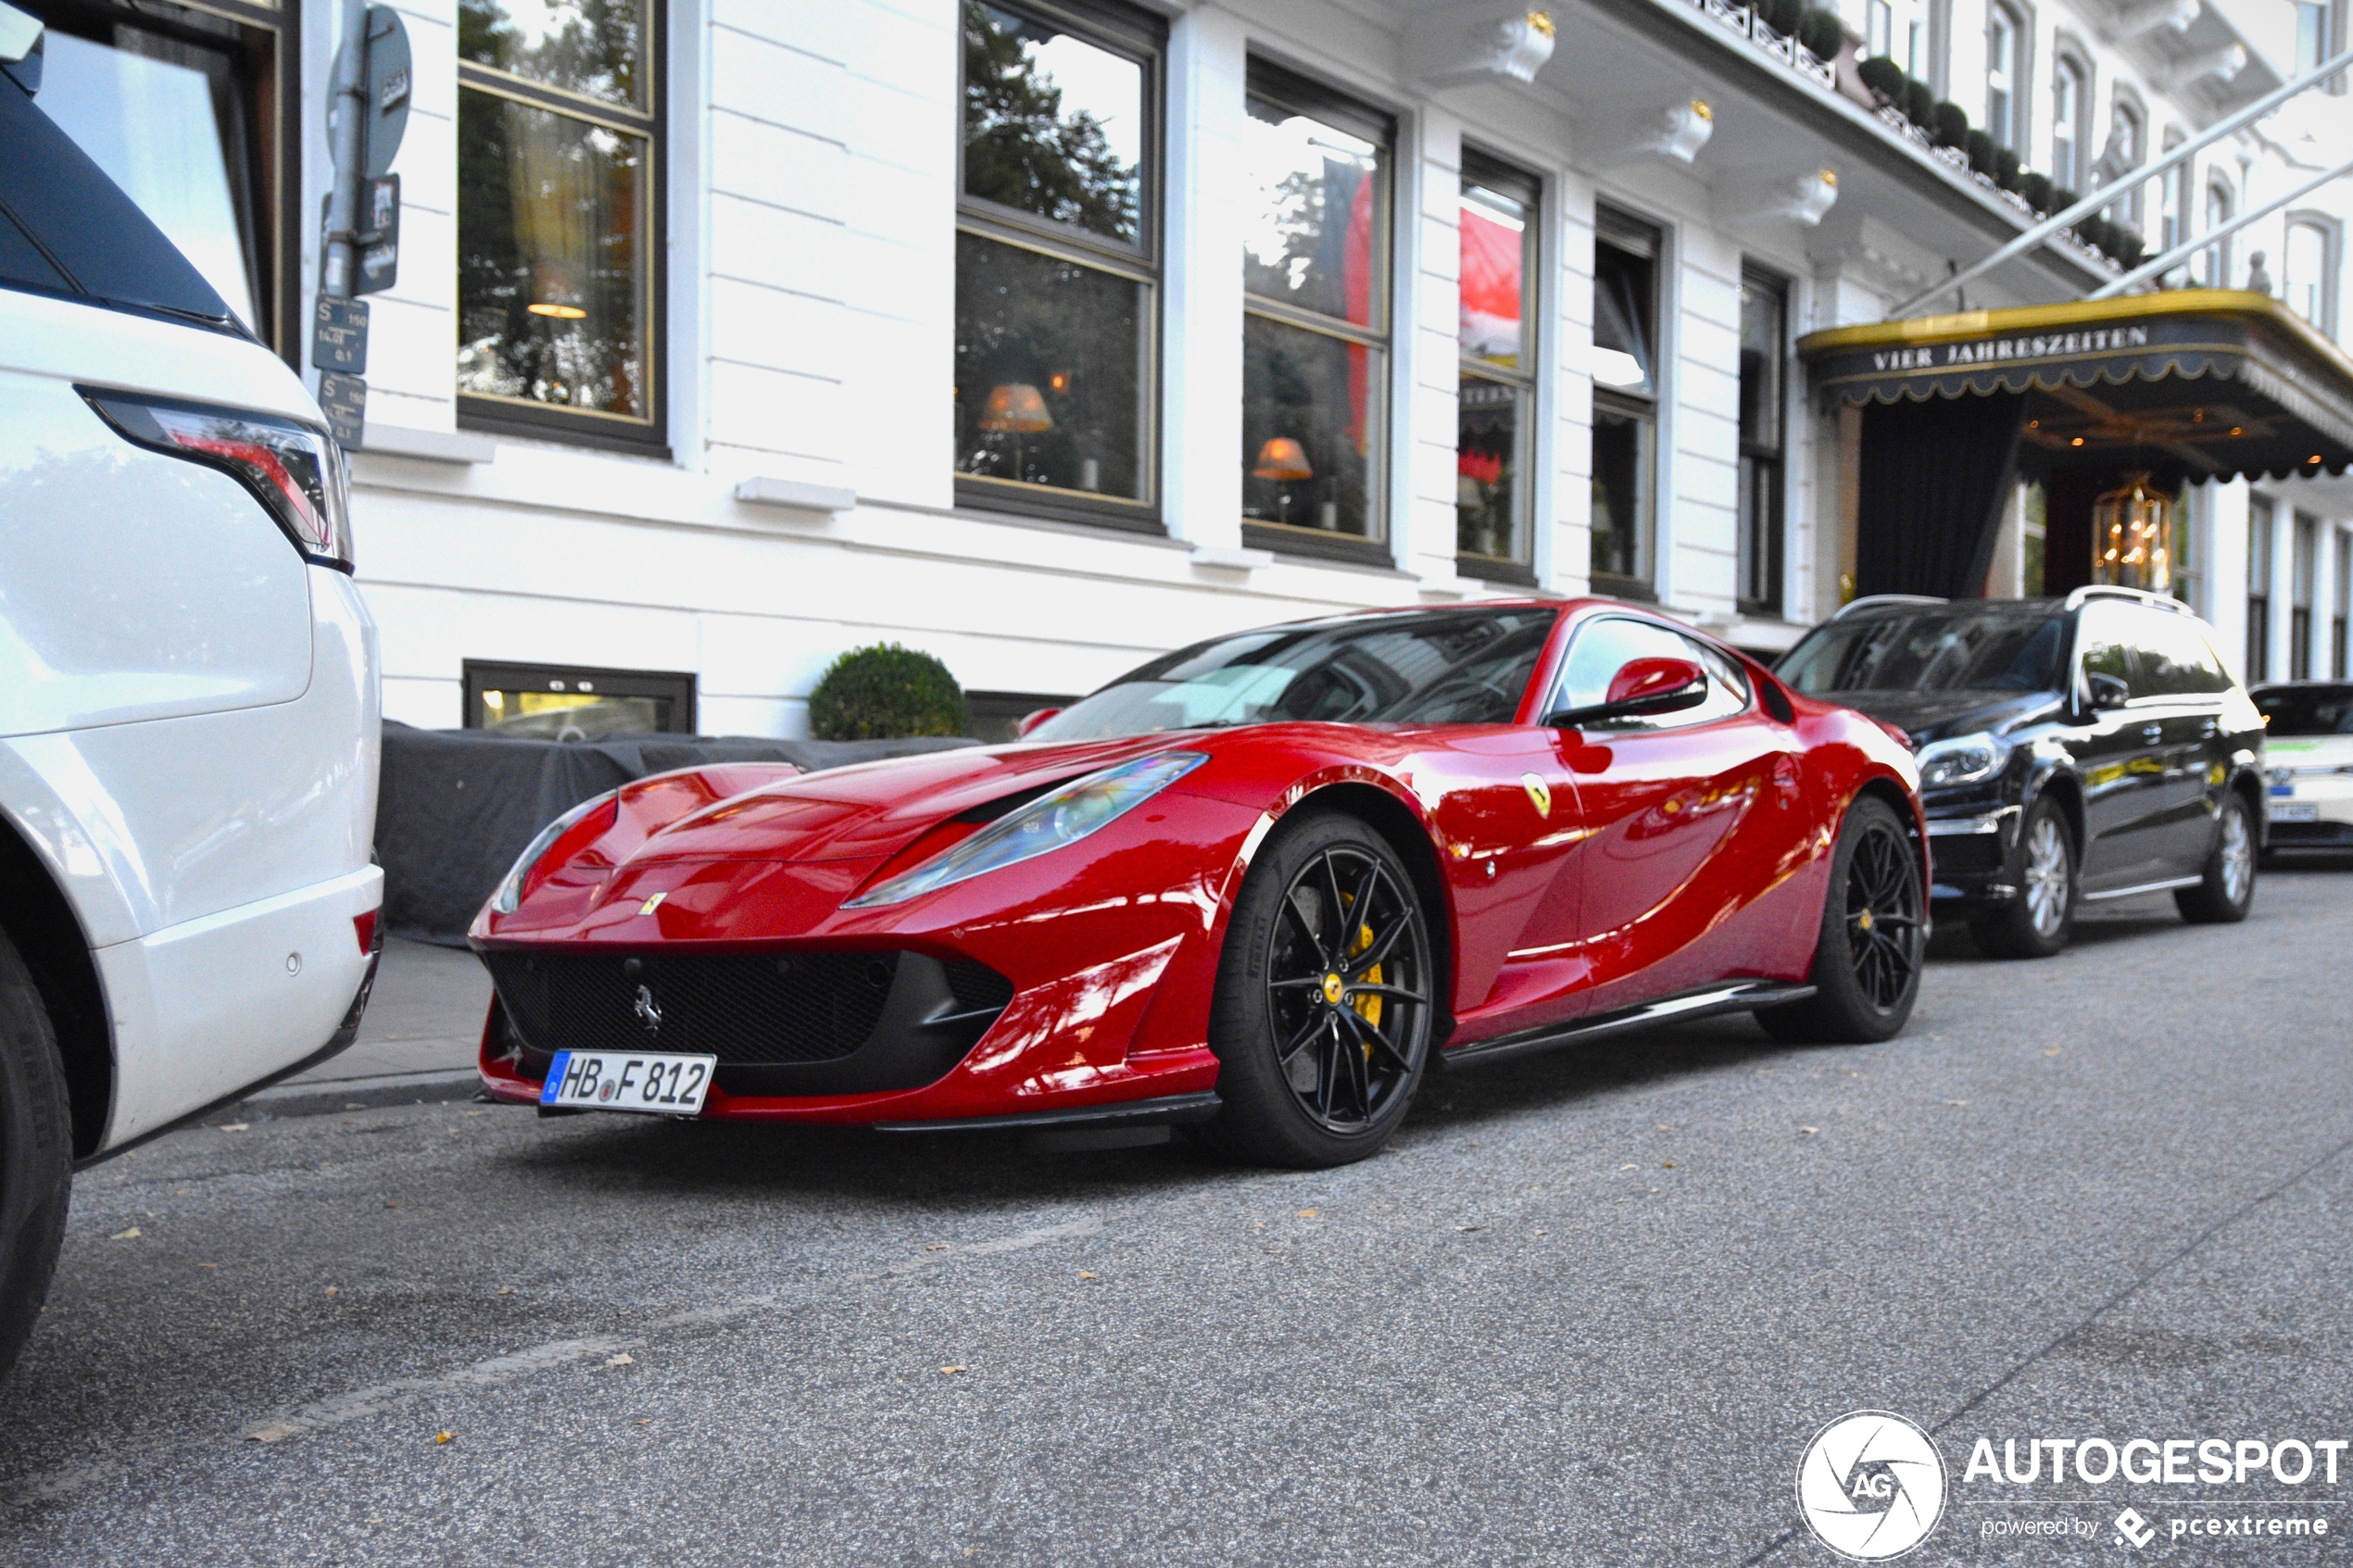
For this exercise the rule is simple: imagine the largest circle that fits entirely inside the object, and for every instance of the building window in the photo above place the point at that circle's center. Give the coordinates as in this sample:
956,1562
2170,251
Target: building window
194,114
2005,73
2303,566
2312,37
2069,102
1057,263
1495,412
1879,28
1764,372
2173,200
2189,547
1626,395
2216,258
568,702
2305,273
2258,589
1315,320
2128,135
559,191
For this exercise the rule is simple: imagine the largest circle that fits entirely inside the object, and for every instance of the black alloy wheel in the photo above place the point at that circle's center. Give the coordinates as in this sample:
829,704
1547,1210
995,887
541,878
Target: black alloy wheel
1874,937
36,1153
1324,1005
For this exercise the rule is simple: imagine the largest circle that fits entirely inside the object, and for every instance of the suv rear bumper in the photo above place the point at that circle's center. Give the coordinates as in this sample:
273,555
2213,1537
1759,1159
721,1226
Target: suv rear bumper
206,1008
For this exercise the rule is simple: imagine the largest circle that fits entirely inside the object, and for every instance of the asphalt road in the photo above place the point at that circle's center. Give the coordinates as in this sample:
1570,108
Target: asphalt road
1589,1308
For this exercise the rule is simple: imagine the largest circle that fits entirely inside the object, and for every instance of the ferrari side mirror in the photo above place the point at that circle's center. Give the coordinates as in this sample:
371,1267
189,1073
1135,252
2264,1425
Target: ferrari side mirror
1641,687
1031,721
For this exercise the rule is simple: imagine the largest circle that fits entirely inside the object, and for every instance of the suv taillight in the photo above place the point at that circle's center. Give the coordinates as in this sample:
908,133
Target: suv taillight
295,471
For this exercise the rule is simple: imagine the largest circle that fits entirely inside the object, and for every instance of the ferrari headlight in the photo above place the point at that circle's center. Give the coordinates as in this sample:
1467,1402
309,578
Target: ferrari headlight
509,892
1063,816
1963,760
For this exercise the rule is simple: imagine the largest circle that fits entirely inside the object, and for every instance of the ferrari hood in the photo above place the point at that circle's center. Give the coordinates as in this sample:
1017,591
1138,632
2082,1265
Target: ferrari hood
875,809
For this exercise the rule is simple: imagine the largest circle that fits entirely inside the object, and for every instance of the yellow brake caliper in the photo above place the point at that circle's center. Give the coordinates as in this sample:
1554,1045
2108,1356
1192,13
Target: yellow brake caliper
1367,1008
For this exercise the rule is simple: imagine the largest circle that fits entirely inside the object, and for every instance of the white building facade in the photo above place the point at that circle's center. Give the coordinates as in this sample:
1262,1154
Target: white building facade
731,334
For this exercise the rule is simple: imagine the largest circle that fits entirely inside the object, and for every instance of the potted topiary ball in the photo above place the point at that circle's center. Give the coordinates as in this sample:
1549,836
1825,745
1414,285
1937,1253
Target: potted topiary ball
1883,77
1952,124
2036,189
2006,168
886,691
1920,103
1819,30
1981,148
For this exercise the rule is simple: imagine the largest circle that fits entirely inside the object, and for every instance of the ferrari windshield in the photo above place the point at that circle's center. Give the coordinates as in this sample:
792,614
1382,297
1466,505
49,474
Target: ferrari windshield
2001,645
1442,667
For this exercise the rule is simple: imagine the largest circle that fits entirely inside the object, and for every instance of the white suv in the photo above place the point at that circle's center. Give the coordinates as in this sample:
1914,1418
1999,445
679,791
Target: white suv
188,696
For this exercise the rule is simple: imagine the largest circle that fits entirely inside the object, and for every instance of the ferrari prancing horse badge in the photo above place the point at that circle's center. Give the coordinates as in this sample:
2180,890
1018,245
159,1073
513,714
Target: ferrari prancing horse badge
1539,794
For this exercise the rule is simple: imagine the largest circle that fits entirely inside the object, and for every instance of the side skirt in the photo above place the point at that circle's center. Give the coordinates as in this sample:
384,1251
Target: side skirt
1733,996
1167,1111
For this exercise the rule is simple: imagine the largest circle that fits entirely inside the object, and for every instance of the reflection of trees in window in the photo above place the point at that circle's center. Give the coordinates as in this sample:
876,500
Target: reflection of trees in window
1056,270
591,47
1496,393
1022,150
555,169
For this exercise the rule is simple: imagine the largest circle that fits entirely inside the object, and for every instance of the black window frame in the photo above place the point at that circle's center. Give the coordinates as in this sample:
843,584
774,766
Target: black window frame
589,427
1764,470
479,675
1141,36
267,55
1625,232
2261,523
2339,608
1504,179
1277,85
2304,569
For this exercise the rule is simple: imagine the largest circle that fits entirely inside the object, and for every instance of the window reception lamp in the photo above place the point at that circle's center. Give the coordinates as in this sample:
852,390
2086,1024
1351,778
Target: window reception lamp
1015,409
1282,459
2133,537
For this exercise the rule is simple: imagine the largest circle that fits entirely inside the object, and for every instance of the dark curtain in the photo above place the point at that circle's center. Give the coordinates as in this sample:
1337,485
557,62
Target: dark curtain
1934,476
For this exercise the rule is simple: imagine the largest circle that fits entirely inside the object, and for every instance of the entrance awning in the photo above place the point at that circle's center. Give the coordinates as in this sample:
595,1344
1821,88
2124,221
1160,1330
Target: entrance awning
2189,384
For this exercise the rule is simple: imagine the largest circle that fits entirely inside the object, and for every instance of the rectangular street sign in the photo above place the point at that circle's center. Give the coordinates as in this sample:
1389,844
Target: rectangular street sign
343,399
380,235
339,335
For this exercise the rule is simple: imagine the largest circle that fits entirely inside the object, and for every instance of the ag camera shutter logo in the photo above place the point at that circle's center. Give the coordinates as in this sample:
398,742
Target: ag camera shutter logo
1871,1486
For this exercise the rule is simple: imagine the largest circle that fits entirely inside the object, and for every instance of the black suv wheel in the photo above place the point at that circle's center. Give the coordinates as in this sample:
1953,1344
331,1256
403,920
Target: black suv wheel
2038,921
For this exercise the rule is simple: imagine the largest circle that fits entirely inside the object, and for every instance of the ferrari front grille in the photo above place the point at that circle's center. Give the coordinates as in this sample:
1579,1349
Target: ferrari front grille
745,1008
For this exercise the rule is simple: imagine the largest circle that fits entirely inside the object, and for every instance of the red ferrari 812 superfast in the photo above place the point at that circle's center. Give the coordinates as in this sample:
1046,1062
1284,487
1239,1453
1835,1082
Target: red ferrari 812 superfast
1260,888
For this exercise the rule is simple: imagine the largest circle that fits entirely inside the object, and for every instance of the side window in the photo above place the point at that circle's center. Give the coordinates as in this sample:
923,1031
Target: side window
1603,647
2175,660
2102,647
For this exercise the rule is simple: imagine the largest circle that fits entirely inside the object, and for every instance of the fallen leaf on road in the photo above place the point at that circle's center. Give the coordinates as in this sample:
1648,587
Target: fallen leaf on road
392,1203
131,1235
208,1265
181,1192
1084,1274
443,1436
276,1432
2053,1052
1964,1104
233,1126
505,1290
949,1371
935,1247
645,1422
1469,1227
1629,1165
1309,1214
1666,1164
624,1359
1809,1132
334,1290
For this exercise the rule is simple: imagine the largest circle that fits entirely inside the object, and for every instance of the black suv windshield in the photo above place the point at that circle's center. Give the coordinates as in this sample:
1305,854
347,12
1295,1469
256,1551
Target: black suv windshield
1993,646
2307,710
1445,667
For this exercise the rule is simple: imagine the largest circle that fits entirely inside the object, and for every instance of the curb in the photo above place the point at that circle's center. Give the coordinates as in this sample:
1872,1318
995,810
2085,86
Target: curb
357,1093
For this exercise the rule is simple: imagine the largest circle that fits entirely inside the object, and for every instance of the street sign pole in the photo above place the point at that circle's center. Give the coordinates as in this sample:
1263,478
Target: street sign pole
367,115
346,133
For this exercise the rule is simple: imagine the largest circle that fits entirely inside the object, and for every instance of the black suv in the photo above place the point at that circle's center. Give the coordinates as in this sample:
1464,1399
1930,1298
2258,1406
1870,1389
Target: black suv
2070,750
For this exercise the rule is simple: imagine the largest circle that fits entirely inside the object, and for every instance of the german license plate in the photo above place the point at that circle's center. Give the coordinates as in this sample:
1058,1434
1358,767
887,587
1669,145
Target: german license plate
2295,811
659,1086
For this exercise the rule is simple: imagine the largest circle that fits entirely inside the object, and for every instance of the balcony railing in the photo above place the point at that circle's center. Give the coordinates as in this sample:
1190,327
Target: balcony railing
1783,47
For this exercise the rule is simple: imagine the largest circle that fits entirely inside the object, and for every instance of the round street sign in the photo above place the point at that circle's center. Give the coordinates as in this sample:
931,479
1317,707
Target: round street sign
390,76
